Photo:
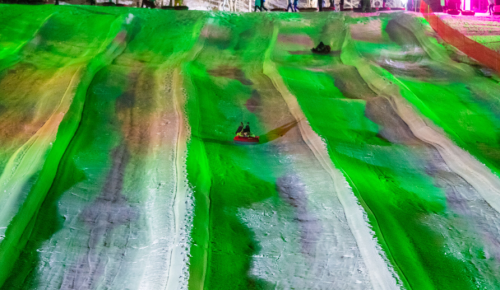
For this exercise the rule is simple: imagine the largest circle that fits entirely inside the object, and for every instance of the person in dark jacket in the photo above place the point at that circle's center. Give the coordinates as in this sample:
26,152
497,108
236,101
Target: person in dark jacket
246,130
240,129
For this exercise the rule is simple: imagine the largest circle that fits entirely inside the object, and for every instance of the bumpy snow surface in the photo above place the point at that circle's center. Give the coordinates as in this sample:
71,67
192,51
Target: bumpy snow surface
377,166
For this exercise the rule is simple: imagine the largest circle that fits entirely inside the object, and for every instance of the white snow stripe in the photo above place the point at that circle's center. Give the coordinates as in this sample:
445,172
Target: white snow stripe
178,274
381,275
459,160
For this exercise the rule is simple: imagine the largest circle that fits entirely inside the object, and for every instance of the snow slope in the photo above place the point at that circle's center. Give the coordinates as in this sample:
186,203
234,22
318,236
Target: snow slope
377,166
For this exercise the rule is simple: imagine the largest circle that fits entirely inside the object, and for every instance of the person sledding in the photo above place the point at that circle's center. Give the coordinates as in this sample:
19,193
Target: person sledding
246,131
239,131
321,48
244,135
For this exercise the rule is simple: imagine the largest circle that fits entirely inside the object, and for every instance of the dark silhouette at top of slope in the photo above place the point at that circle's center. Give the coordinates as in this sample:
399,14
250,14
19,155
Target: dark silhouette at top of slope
333,52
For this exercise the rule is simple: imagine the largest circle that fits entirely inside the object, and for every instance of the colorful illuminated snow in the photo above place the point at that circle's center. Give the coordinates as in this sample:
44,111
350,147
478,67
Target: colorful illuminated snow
377,166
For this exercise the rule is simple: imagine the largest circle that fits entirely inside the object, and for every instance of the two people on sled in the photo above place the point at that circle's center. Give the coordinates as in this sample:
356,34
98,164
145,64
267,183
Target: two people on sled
244,131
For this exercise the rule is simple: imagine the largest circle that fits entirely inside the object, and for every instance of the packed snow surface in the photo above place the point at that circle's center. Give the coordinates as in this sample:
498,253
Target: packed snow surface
377,166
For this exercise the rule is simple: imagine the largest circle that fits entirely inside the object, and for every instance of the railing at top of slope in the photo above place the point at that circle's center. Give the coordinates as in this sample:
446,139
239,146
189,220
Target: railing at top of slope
473,49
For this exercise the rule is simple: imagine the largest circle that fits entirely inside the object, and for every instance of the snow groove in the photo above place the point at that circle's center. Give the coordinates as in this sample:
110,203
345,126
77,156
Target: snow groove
381,275
460,161
183,194
19,229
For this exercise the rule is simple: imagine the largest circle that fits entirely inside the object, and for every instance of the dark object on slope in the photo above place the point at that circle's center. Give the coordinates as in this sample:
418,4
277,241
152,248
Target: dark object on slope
321,49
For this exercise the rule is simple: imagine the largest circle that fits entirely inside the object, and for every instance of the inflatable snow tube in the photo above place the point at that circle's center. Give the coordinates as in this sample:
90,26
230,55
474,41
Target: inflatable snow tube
468,13
326,50
453,11
246,140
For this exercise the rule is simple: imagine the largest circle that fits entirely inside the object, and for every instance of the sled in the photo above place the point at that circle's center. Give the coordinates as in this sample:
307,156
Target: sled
246,140
326,50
